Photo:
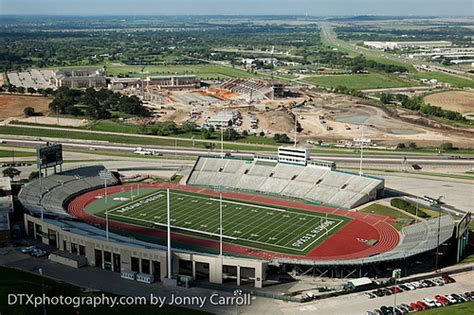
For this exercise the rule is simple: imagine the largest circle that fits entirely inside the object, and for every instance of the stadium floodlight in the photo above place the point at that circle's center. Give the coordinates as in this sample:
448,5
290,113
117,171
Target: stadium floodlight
168,231
221,224
106,174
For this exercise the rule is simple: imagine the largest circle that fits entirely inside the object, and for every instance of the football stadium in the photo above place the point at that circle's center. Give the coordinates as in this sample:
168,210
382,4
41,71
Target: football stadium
229,219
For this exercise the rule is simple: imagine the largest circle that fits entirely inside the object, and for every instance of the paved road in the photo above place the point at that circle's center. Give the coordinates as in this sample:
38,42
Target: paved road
183,151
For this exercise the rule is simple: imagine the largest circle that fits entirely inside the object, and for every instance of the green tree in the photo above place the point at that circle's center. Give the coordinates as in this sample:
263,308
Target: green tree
11,172
281,138
29,111
33,175
412,145
447,146
206,133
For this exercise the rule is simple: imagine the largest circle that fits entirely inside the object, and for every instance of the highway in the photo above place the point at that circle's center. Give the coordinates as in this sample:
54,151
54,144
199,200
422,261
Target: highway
100,146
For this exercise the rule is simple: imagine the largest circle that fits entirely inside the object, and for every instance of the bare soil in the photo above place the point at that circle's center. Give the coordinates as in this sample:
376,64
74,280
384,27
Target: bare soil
13,105
458,101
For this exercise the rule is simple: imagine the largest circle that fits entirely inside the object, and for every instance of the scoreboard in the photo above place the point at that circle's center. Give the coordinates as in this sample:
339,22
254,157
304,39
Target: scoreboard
49,155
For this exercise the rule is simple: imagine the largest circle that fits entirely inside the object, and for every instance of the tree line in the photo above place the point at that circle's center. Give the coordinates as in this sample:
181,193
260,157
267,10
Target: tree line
418,104
95,104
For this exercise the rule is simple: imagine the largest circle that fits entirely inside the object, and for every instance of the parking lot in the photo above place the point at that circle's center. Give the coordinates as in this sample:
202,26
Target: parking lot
37,79
359,303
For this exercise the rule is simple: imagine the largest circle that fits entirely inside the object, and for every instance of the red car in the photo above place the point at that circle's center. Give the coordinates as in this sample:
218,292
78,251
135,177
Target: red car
416,307
422,305
396,289
448,279
442,300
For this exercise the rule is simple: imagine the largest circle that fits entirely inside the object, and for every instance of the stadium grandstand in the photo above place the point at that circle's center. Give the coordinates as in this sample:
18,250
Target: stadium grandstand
315,181
50,194
250,89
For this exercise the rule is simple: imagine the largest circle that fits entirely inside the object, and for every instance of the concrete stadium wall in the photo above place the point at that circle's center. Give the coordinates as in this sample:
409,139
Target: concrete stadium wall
65,240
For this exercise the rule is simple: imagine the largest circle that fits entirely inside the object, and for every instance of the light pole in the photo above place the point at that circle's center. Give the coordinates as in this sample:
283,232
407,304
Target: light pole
396,273
106,175
40,270
437,241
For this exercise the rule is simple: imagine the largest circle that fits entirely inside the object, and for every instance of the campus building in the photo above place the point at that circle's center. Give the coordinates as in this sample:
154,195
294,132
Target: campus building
79,78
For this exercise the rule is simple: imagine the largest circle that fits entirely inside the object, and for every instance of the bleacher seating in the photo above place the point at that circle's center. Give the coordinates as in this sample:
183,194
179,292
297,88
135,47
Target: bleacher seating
314,183
250,88
55,190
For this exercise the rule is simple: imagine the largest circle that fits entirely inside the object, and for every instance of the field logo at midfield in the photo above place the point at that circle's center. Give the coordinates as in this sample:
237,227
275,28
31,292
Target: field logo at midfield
140,203
312,234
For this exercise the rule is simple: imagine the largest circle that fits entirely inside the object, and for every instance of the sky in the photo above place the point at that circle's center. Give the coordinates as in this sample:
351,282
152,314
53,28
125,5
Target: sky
239,7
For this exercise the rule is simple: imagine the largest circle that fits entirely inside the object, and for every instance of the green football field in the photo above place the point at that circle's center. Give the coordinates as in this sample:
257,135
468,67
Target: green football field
259,226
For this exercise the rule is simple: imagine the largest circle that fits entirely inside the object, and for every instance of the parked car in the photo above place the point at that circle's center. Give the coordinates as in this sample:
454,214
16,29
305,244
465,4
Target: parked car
422,305
407,307
370,295
459,298
404,287
430,283
451,299
442,300
396,290
27,250
387,291
438,282
431,302
416,307
448,279
38,252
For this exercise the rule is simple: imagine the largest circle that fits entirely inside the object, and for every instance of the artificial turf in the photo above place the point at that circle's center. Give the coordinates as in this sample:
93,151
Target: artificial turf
284,230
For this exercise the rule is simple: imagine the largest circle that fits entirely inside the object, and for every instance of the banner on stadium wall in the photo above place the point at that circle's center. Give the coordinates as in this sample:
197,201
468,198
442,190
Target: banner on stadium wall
463,225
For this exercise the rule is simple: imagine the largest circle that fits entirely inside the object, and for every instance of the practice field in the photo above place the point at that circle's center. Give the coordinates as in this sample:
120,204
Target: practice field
282,230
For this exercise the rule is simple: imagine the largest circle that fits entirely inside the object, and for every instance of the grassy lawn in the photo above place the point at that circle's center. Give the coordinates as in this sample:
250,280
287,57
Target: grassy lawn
11,153
14,282
360,81
135,140
457,309
291,231
388,211
446,78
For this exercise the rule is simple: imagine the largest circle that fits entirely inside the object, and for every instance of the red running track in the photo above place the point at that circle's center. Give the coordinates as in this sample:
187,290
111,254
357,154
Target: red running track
347,243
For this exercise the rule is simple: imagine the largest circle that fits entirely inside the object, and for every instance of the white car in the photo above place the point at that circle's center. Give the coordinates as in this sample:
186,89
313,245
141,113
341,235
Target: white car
451,299
438,282
410,286
429,302
416,284
28,249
